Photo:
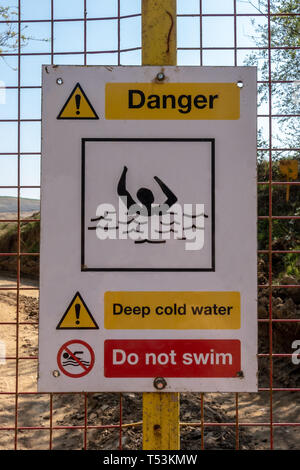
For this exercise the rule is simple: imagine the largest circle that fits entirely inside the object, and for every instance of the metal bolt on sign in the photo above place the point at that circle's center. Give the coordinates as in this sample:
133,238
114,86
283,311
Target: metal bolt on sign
159,383
160,76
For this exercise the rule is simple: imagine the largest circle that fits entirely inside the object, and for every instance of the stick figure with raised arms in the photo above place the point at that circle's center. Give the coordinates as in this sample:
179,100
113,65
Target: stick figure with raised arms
145,196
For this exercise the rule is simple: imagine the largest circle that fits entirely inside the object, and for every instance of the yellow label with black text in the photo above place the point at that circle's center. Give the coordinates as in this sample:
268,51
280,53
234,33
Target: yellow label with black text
172,310
172,101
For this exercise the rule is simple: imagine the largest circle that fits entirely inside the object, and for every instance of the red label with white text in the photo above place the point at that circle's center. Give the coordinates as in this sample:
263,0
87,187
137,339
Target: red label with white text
172,358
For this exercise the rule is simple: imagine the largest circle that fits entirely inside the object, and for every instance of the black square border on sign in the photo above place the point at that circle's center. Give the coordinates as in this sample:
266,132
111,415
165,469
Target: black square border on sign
84,268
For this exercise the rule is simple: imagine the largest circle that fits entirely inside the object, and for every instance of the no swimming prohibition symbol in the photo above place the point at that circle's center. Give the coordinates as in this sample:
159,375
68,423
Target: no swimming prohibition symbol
75,358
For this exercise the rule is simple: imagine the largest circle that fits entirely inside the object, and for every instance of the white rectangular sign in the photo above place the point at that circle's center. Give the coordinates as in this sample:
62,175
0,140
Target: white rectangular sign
148,233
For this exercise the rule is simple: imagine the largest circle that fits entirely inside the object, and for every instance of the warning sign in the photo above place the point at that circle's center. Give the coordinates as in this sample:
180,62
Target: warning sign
149,230
78,106
77,316
172,100
172,358
172,310
75,358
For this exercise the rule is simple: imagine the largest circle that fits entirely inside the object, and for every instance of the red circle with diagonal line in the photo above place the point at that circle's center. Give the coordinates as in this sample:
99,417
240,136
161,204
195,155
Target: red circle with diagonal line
67,357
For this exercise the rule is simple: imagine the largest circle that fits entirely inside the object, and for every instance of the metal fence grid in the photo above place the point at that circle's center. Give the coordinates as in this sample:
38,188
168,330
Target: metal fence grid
119,55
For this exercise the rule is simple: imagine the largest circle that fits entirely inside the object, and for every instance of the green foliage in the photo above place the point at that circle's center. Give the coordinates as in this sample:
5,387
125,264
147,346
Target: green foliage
285,39
29,243
10,38
292,264
29,236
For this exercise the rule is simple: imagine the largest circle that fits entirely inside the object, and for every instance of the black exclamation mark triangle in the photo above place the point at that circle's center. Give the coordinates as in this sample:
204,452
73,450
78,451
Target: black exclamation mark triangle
77,106
77,316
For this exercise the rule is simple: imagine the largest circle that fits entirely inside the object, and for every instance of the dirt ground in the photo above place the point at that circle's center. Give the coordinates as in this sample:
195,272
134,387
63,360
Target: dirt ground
103,408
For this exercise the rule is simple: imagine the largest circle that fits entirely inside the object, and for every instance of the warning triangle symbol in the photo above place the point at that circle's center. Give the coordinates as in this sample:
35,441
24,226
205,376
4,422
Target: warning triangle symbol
77,106
77,316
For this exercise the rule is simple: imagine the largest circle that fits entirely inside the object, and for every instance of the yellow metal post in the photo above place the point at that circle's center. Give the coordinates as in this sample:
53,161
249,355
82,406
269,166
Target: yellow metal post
160,410
159,32
161,421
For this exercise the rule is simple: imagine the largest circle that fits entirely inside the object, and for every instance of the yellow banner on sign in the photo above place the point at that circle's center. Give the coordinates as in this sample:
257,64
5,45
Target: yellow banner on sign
172,101
172,310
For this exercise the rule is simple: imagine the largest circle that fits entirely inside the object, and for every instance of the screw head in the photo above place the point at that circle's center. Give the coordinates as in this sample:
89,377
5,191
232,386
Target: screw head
55,373
240,84
160,76
159,383
59,81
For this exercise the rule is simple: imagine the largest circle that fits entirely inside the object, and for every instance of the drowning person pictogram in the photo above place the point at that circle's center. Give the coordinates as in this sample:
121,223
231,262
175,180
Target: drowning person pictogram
136,217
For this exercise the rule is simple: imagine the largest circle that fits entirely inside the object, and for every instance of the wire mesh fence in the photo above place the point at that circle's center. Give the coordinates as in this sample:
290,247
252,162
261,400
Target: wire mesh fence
210,32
